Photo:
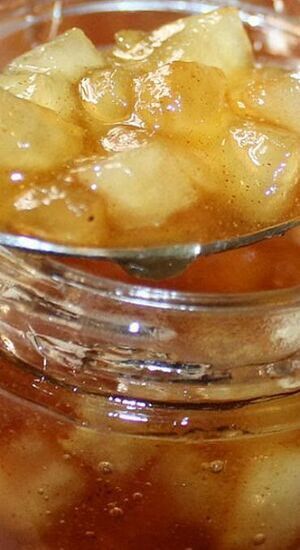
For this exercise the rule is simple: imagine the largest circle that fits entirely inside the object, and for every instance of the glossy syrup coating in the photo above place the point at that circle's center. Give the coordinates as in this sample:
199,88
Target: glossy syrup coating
167,137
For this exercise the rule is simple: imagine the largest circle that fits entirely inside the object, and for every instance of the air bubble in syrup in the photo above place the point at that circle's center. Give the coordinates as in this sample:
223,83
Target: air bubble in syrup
66,456
105,467
111,504
259,539
216,466
137,496
90,533
116,512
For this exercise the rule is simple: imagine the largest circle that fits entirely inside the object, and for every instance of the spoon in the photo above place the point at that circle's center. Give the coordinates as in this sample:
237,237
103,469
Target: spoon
149,263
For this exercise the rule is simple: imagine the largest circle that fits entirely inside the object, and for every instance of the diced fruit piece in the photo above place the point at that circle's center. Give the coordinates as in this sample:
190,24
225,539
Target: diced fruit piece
114,454
262,503
270,94
259,167
195,479
127,38
107,95
34,138
144,186
60,213
71,54
106,451
53,92
123,138
182,99
207,173
27,492
217,39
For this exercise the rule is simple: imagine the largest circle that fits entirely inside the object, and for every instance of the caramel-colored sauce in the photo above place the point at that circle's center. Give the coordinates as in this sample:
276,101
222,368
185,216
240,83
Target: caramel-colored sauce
163,138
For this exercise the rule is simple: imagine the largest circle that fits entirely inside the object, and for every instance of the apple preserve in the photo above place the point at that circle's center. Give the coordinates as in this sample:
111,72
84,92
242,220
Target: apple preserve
133,414
171,136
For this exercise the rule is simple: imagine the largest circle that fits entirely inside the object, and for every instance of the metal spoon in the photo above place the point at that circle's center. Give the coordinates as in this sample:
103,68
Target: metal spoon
150,263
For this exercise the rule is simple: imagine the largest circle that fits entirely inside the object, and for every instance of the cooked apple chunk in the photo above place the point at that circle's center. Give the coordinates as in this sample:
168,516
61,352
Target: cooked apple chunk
57,213
261,503
107,94
260,168
144,186
53,92
113,454
175,131
270,94
71,54
217,38
128,38
187,473
23,506
182,98
34,138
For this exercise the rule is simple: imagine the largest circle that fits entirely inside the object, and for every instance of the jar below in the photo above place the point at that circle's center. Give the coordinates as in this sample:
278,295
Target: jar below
139,417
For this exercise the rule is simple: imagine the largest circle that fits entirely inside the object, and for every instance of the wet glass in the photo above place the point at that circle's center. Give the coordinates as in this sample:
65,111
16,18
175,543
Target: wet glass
135,417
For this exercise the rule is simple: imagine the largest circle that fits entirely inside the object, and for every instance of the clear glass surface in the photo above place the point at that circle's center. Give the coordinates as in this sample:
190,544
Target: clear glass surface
133,417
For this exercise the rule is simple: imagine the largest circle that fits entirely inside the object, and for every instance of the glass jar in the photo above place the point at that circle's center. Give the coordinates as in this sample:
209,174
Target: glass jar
133,417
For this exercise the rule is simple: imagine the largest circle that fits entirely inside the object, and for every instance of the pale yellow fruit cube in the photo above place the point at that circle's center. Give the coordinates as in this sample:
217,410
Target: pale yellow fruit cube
54,92
264,511
128,38
107,94
111,454
258,168
60,213
182,98
71,54
34,138
217,39
35,482
144,186
197,482
269,94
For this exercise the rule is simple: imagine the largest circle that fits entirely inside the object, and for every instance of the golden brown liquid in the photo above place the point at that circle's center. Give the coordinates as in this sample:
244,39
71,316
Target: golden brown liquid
67,486
71,487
